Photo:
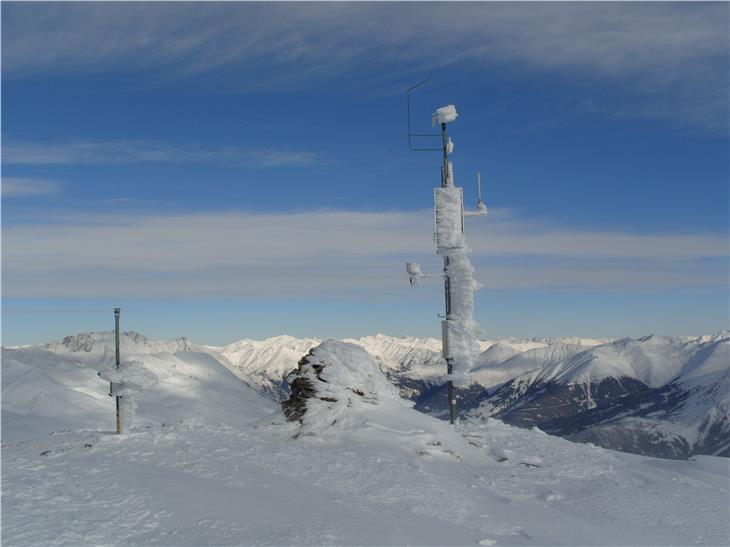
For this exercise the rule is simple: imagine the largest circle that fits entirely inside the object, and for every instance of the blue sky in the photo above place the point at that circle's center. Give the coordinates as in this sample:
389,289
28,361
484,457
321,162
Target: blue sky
231,170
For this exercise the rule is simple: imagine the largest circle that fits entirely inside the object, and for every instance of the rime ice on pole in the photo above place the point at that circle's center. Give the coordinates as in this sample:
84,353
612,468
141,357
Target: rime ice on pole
463,345
128,381
460,345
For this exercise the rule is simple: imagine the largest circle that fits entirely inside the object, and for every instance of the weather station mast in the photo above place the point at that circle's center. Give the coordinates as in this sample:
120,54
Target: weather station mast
460,344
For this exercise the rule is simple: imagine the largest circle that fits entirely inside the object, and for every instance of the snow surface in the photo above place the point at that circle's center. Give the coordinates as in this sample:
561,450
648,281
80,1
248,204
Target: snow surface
228,469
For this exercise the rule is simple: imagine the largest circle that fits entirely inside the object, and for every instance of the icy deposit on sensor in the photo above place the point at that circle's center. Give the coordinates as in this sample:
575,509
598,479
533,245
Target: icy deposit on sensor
463,346
445,114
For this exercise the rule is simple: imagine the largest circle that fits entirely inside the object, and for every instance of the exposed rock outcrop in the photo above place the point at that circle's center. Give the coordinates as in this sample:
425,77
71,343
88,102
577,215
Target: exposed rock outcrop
332,378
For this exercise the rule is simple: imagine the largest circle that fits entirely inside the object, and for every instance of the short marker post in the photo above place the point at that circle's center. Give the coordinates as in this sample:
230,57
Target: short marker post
117,313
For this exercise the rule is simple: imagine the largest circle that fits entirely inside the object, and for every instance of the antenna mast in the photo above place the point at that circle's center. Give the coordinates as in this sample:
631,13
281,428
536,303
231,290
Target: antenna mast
459,343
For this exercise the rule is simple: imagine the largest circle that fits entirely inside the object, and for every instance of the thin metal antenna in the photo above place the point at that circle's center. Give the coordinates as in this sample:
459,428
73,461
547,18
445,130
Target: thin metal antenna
411,135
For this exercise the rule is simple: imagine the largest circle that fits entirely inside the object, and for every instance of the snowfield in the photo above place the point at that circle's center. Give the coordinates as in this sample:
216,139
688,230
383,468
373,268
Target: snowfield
210,461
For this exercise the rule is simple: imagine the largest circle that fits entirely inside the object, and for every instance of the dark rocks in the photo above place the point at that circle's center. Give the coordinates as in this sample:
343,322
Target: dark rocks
301,390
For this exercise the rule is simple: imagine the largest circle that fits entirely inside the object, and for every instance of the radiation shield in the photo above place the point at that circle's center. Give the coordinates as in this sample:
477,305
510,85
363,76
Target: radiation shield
449,217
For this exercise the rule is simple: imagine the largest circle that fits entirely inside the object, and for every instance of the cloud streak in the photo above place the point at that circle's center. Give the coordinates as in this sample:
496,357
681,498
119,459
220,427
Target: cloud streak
238,254
140,151
672,53
17,187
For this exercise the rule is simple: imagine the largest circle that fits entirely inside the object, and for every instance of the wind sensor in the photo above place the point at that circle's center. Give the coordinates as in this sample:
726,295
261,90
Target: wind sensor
458,328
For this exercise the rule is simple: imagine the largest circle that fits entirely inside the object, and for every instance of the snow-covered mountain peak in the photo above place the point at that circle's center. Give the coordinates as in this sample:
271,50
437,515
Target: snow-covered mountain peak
715,336
654,339
385,341
584,342
90,347
653,360
711,359
503,361
280,341
398,354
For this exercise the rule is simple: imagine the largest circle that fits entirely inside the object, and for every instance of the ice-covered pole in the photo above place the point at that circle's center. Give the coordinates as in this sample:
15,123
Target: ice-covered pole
458,328
445,182
459,341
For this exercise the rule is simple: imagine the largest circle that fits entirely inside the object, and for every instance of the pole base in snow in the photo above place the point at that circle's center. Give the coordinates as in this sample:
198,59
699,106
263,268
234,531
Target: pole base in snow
119,422
452,401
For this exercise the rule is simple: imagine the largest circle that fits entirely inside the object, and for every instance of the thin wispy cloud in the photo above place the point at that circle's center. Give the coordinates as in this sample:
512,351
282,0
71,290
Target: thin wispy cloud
141,151
240,254
16,187
675,54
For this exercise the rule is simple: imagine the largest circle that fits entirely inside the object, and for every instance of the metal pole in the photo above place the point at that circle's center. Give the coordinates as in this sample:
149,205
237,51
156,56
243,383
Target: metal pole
447,293
445,344
117,312
444,144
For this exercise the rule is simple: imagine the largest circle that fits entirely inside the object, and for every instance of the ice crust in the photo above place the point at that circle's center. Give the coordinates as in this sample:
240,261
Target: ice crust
449,218
129,381
463,346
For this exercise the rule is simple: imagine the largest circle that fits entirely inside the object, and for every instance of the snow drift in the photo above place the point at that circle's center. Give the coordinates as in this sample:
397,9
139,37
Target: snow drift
381,474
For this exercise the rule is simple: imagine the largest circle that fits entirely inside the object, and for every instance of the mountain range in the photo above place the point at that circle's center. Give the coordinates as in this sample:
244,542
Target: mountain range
660,396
